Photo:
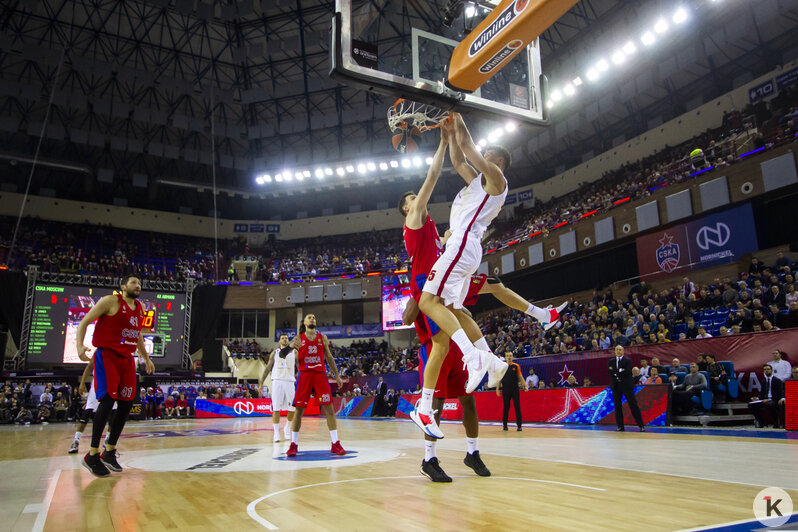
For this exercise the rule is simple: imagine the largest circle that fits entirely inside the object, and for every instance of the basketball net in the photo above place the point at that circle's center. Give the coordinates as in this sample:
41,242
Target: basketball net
407,115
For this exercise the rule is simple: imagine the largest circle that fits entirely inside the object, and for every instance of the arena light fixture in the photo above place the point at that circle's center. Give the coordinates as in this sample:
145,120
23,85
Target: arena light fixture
267,178
394,164
340,171
661,26
470,11
509,127
298,175
482,143
602,65
278,178
383,166
592,74
569,90
629,48
647,38
618,57
680,15
319,173
306,173
361,168
416,161
556,95
349,168
549,103
259,180
428,160
328,171
406,163
371,166
577,81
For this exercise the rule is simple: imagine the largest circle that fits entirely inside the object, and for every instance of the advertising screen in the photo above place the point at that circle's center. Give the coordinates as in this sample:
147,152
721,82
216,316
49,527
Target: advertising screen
395,295
59,309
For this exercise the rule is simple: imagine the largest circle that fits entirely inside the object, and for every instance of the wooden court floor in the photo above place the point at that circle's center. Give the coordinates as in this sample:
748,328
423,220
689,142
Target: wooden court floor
228,475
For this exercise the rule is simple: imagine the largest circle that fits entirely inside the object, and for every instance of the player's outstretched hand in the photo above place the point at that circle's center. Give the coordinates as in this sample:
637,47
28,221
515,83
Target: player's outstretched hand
82,388
339,381
149,367
82,353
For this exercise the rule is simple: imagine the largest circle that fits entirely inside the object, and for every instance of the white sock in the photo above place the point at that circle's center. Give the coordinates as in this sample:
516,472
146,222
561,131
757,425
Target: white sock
462,341
483,345
276,427
334,436
538,313
295,437
473,444
426,400
429,450
77,436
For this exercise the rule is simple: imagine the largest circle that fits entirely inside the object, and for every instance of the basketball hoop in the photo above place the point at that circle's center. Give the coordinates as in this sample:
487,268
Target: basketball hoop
411,119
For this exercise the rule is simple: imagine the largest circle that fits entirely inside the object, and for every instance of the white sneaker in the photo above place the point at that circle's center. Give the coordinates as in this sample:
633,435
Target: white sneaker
426,422
554,316
287,431
477,366
496,371
276,437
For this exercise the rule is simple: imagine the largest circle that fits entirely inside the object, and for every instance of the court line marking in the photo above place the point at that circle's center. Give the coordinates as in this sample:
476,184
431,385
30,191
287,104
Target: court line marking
267,524
41,517
732,523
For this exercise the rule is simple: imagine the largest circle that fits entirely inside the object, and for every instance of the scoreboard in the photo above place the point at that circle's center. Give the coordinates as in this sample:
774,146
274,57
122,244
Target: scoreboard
58,310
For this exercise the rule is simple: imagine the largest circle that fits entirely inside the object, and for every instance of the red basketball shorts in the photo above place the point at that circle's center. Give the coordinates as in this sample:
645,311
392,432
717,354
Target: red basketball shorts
114,374
312,382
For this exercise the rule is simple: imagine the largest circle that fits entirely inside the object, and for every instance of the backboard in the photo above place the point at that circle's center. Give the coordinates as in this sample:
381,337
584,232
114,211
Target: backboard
400,48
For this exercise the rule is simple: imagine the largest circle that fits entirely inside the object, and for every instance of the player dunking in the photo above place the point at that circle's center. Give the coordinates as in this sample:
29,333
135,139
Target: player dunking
283,387
87,413
313,348
116,336
464,255
424,246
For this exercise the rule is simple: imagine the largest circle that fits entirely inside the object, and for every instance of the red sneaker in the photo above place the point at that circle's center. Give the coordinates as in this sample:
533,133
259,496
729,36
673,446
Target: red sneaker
292,449
337,449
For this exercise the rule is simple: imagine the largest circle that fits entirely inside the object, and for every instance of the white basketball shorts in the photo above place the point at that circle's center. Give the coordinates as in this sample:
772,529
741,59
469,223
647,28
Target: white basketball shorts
451,274
283,395
91,401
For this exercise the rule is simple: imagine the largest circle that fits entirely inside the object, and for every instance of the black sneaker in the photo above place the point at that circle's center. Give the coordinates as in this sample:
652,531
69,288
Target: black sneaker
95,465
432,470
474,461
73,449
109,459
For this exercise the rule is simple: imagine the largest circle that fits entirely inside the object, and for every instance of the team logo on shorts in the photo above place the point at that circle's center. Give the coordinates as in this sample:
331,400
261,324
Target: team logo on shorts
667,254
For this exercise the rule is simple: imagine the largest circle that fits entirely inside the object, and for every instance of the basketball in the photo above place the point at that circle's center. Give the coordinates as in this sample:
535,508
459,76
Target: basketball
407,141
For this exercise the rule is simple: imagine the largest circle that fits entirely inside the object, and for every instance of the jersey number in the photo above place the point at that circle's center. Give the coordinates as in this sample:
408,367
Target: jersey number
431,275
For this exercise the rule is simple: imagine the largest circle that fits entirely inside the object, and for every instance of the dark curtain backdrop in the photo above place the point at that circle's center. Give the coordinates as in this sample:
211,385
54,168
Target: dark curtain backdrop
12,301
207,304
777,220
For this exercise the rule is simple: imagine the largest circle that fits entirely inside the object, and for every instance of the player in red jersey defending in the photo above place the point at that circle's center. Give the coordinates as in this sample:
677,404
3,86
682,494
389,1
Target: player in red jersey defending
424,247
313,348
117,335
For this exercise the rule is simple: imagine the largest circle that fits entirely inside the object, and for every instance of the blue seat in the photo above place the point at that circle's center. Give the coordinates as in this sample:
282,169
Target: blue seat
697,316
706,324
680,328
680,375
719,322
709,314
722,311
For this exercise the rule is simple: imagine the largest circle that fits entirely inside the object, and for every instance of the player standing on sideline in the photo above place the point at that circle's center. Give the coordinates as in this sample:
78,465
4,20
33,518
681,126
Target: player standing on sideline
87,413
117,335
283,388
313,348
450,278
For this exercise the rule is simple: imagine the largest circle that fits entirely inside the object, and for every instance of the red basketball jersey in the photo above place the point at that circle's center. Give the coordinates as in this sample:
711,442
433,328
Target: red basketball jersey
311,353
120,332
423,248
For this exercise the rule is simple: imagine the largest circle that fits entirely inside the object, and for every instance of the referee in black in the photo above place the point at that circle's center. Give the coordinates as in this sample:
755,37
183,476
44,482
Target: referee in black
509,387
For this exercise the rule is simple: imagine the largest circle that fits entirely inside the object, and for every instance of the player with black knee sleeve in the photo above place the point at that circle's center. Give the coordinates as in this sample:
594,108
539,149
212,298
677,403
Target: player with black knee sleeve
117,335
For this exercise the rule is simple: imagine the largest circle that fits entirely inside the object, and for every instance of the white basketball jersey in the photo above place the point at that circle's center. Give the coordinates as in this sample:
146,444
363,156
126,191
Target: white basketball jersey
283,369
474,209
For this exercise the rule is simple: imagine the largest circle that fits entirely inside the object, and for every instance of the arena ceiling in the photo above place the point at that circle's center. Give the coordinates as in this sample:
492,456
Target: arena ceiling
136,83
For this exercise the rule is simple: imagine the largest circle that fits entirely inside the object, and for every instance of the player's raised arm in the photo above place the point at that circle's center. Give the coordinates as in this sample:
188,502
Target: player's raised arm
494,177
418,211
103,306
458,158
331,360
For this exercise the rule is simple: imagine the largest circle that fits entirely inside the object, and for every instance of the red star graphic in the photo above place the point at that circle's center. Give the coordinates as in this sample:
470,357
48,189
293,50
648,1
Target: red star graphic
666,239
564,374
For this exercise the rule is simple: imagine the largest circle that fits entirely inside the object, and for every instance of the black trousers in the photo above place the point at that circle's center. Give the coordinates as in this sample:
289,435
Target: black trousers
617,396
515,397
776,411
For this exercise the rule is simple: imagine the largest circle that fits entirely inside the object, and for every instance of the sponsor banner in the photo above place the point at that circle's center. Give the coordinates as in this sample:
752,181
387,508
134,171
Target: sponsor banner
525,195
241,228
367,330
788,78
233,407
511,198
592,405
256,228
365,54
519,96
272,228
791,405
709,241
763,90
